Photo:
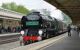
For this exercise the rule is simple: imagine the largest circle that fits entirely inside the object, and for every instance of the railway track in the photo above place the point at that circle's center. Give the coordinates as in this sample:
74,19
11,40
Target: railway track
8,39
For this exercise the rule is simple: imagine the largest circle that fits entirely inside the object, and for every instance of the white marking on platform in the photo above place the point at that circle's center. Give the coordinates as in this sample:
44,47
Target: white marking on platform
9,34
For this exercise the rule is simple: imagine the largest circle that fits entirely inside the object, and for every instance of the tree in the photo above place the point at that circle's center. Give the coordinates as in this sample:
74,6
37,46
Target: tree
18,8
21,9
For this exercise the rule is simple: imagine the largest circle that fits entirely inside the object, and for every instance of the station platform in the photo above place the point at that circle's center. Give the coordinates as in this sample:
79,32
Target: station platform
61,42
66,43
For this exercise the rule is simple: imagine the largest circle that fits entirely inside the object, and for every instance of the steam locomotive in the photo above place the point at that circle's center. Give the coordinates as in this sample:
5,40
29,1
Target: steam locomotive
36,27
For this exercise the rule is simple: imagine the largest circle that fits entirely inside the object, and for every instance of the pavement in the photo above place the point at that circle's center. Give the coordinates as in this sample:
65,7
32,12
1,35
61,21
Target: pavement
66,43
9,46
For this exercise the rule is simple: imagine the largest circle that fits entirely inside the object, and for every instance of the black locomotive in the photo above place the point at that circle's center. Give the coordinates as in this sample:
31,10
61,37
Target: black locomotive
36,27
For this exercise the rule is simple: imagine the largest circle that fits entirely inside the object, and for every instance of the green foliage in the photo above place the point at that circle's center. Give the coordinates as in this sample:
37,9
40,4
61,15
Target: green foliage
18,8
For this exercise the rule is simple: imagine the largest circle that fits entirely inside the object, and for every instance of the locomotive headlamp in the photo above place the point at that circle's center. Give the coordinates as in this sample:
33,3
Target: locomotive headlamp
22,32
40,32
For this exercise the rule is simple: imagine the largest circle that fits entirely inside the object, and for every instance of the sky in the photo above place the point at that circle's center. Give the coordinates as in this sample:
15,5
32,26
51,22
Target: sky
37,4
31,4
